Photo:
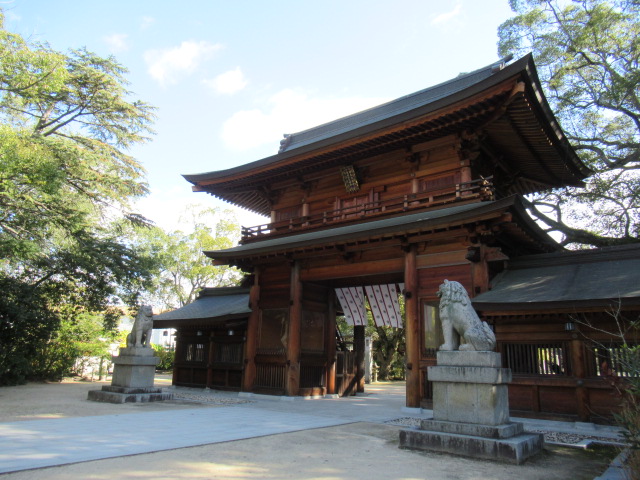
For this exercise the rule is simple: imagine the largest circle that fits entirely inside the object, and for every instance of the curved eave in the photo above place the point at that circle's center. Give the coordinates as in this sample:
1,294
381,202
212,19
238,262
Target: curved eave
554,131
547,158
376,123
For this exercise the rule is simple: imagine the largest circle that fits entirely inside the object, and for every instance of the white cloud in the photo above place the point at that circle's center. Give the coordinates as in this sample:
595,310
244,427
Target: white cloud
447,16
147,22
168,65
167,207
9,15
288,111
117,42
228,83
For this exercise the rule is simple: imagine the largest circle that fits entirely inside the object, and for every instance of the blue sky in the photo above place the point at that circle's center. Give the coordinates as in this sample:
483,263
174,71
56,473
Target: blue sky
230,77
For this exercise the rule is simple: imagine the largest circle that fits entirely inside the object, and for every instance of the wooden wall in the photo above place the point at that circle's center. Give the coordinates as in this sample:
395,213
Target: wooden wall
579,386
382,177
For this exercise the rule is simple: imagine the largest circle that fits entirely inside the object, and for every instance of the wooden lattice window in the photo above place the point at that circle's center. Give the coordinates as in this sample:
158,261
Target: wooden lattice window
439,183
536,358
228,353
616,359
194,352
286,214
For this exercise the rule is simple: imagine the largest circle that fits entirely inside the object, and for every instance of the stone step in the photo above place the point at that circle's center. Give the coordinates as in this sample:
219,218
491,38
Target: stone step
509,450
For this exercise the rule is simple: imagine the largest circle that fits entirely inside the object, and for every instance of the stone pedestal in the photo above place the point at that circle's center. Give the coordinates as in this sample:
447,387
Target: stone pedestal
133,377
471,411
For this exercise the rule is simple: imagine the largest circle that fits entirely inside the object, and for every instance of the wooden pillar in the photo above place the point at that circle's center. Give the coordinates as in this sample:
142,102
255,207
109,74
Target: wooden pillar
305,211
465,171
210,360
177,356
412,315
330,343
578,367
479,270
358,344
295,321
253,327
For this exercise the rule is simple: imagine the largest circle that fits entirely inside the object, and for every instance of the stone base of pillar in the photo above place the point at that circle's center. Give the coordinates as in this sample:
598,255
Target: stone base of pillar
133,378
110,394
505,443
471,411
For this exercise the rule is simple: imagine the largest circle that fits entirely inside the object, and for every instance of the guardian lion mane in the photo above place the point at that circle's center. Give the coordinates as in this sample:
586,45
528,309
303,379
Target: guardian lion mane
459,320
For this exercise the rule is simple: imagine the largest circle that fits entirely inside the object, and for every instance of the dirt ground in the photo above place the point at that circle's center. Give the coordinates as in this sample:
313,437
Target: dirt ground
68,399
356,451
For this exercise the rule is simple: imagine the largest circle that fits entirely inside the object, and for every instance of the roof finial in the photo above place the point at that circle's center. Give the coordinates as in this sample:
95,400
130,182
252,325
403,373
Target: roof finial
499,65
284,143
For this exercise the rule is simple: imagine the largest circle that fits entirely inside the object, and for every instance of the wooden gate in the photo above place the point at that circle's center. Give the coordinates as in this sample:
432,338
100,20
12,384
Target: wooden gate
346,373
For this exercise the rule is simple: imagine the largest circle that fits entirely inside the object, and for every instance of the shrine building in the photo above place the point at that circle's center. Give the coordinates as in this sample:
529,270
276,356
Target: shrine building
394,200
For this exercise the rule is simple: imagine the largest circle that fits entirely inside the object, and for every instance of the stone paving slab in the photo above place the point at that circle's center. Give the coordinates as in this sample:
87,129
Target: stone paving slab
44,443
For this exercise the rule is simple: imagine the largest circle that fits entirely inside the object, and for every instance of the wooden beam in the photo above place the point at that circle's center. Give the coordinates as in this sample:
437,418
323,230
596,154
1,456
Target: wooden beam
349,270
293,342
412,315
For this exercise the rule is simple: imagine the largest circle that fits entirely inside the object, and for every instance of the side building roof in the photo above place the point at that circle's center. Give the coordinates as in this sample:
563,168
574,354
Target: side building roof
575,279
213,305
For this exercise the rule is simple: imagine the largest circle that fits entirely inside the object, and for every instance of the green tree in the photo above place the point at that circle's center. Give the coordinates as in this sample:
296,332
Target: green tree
387,347
183,268
588,54
66,183
80,338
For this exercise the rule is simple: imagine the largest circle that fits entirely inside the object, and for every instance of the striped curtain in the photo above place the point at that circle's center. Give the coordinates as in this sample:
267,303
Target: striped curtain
383,300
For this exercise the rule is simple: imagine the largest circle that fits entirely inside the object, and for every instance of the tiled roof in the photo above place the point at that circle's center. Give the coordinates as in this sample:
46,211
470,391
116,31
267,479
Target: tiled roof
598,277
212,304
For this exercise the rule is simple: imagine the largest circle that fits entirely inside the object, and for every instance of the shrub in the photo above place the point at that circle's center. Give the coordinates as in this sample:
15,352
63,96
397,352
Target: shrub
166,356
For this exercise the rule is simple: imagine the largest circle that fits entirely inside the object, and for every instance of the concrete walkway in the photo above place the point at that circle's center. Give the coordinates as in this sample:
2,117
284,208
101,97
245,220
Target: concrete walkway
41,443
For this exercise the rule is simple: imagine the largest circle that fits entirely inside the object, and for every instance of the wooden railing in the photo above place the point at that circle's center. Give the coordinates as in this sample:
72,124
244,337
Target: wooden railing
270,376
312,376
481,189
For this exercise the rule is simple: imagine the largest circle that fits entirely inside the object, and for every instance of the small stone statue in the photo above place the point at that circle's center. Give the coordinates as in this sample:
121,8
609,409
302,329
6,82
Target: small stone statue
459,319
140,335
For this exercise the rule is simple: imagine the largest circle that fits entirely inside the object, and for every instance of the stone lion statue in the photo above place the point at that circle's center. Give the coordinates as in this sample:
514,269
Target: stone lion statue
140,335
459,320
